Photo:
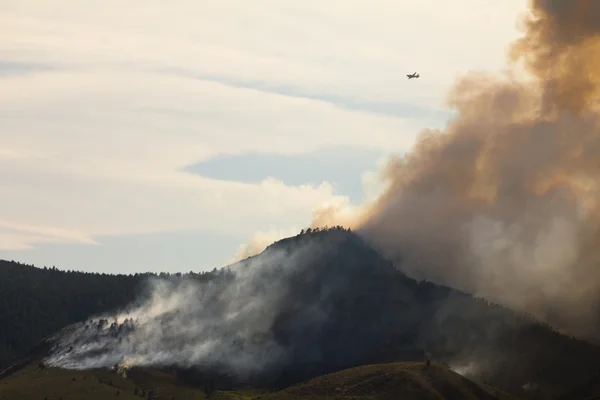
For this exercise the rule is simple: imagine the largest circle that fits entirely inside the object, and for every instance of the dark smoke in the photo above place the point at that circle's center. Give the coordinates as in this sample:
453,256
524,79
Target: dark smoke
503,203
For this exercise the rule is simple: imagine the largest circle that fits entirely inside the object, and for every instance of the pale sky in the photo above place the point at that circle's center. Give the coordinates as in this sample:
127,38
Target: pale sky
147,135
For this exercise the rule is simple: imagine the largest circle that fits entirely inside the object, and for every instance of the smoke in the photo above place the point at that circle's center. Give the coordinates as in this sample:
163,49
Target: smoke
467,369
259,242
191,322
285,308
503,203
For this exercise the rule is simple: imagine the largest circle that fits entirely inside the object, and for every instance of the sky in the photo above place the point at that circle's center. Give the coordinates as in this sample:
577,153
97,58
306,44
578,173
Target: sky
163,136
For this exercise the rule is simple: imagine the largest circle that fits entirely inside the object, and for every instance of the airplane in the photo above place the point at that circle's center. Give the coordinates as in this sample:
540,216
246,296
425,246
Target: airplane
415,75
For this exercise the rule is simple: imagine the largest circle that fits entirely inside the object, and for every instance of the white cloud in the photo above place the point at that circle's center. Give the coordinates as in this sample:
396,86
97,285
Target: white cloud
359,48
170,122
104,206
18,236
95,146
101,153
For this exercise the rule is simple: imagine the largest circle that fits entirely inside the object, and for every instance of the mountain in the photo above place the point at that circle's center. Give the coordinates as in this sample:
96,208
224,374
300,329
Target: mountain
320,302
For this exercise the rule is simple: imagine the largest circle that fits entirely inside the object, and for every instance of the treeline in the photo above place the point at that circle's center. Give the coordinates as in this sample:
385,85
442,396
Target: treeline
325,228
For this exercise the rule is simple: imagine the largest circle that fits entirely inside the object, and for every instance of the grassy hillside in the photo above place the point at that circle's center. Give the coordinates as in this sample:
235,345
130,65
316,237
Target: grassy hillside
34,383
413,380
386,381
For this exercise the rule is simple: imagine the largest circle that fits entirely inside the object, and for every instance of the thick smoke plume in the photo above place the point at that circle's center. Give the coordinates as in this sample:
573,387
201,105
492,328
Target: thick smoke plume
503,203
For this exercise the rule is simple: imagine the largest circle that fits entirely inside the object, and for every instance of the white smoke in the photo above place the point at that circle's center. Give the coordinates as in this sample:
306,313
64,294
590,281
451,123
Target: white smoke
186,322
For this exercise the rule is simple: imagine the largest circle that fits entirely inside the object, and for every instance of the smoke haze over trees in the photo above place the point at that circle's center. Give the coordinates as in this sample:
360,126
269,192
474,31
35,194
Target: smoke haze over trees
36,302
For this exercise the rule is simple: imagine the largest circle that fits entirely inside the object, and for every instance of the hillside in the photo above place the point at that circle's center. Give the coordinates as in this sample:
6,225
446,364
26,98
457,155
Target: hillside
414,380
36,302
388,381
35,383
321,302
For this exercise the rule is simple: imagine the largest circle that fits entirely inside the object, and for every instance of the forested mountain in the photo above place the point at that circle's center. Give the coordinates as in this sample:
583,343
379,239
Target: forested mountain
324,298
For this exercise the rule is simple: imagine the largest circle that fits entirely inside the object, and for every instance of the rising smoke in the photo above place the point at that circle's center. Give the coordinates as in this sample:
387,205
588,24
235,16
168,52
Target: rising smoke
503,203
188,322
287,307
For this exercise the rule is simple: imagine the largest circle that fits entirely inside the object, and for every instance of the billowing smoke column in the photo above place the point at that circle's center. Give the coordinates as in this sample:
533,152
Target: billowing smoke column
504,202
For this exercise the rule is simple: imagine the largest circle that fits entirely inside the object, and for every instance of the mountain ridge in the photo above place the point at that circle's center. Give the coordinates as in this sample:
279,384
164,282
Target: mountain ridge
370,304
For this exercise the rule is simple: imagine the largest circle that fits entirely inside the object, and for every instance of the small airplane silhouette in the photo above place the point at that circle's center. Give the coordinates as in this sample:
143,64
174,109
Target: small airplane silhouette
415,75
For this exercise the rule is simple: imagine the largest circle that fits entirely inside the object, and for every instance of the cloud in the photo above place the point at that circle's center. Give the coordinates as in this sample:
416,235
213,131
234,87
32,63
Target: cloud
312,46
95,143
10,68
106,151
107,207
19,237
394,108
341,166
